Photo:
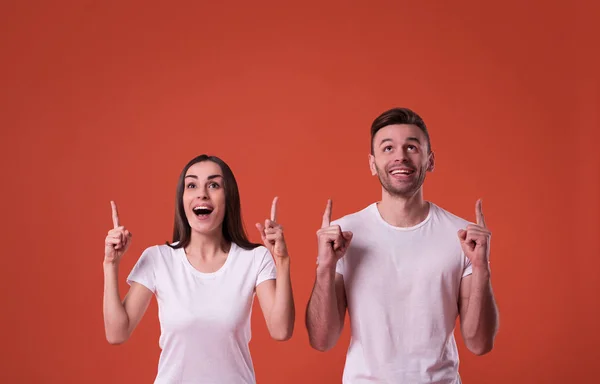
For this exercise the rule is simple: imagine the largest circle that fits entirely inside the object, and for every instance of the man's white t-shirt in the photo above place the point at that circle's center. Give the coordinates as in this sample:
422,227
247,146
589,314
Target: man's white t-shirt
204,317
402,289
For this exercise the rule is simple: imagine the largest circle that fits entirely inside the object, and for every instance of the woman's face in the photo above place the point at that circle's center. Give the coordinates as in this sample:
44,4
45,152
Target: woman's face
204,197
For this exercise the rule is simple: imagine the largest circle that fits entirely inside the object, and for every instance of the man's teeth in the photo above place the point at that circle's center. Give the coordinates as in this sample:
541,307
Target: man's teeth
401,171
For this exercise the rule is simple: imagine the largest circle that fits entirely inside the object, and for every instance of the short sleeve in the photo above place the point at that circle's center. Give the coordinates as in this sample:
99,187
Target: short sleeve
266,268
468,269
339,266
143,271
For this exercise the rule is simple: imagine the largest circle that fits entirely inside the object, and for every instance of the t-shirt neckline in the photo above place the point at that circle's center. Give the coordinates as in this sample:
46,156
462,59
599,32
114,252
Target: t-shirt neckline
377,214
207,275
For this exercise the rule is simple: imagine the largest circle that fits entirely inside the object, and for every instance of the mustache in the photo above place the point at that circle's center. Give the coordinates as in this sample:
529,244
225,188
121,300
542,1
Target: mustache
405,164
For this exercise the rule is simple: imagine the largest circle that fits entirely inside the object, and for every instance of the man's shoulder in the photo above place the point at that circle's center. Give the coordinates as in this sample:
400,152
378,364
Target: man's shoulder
355,218
448,217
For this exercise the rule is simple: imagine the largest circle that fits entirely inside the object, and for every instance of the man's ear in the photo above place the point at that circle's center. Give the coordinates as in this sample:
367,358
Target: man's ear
372,165
431,162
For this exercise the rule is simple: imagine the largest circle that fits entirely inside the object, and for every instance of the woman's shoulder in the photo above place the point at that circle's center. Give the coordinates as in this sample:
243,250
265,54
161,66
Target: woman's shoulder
249,248
160,251
255,252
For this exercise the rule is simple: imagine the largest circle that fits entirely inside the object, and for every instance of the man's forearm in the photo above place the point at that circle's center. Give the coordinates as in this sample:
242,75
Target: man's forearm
480,324
322,314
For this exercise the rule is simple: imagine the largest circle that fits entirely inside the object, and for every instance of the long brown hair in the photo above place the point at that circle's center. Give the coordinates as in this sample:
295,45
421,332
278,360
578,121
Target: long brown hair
233,226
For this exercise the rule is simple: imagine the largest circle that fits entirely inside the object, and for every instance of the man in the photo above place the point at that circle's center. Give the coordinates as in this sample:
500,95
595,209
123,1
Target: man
405,269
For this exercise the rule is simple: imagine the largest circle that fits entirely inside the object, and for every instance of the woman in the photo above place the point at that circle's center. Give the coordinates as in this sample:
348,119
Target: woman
204,281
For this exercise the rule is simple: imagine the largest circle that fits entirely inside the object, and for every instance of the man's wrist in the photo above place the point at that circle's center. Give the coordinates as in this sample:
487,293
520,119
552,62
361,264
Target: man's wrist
482,270
325,269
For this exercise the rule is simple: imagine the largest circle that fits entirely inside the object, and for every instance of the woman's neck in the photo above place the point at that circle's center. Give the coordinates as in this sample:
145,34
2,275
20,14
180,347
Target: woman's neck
206,246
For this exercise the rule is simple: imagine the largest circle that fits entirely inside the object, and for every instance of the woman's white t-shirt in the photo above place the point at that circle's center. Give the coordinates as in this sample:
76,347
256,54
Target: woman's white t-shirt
204,317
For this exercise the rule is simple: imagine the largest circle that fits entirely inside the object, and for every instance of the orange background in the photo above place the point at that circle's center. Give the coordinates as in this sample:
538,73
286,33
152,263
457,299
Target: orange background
109,100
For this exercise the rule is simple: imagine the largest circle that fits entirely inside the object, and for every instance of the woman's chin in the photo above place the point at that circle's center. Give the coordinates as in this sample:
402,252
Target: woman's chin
207,229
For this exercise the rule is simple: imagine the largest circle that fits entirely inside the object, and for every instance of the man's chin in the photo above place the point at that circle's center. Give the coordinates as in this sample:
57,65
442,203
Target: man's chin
405,191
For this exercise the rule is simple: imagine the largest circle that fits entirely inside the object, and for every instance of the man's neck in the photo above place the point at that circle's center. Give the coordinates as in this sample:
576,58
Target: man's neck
403,211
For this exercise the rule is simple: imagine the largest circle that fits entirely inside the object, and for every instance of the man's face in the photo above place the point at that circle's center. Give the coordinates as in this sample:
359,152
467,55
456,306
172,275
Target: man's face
400,159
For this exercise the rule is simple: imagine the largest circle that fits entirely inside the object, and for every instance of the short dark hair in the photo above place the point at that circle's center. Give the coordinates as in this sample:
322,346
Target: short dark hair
233,226
398,116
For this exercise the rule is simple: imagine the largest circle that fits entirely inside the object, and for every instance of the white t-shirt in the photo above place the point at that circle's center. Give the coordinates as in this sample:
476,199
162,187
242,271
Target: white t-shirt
204,317
402,289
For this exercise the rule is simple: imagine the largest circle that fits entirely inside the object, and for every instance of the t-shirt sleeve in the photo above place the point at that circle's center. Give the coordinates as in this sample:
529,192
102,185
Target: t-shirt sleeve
468,269
143,271
266,268
339,266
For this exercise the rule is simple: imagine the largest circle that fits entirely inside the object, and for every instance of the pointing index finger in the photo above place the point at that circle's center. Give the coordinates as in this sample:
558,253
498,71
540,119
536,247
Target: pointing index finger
327,215
115,214
274,209
479,214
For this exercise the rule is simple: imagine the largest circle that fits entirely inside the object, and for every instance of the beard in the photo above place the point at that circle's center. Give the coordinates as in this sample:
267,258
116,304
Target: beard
399,188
